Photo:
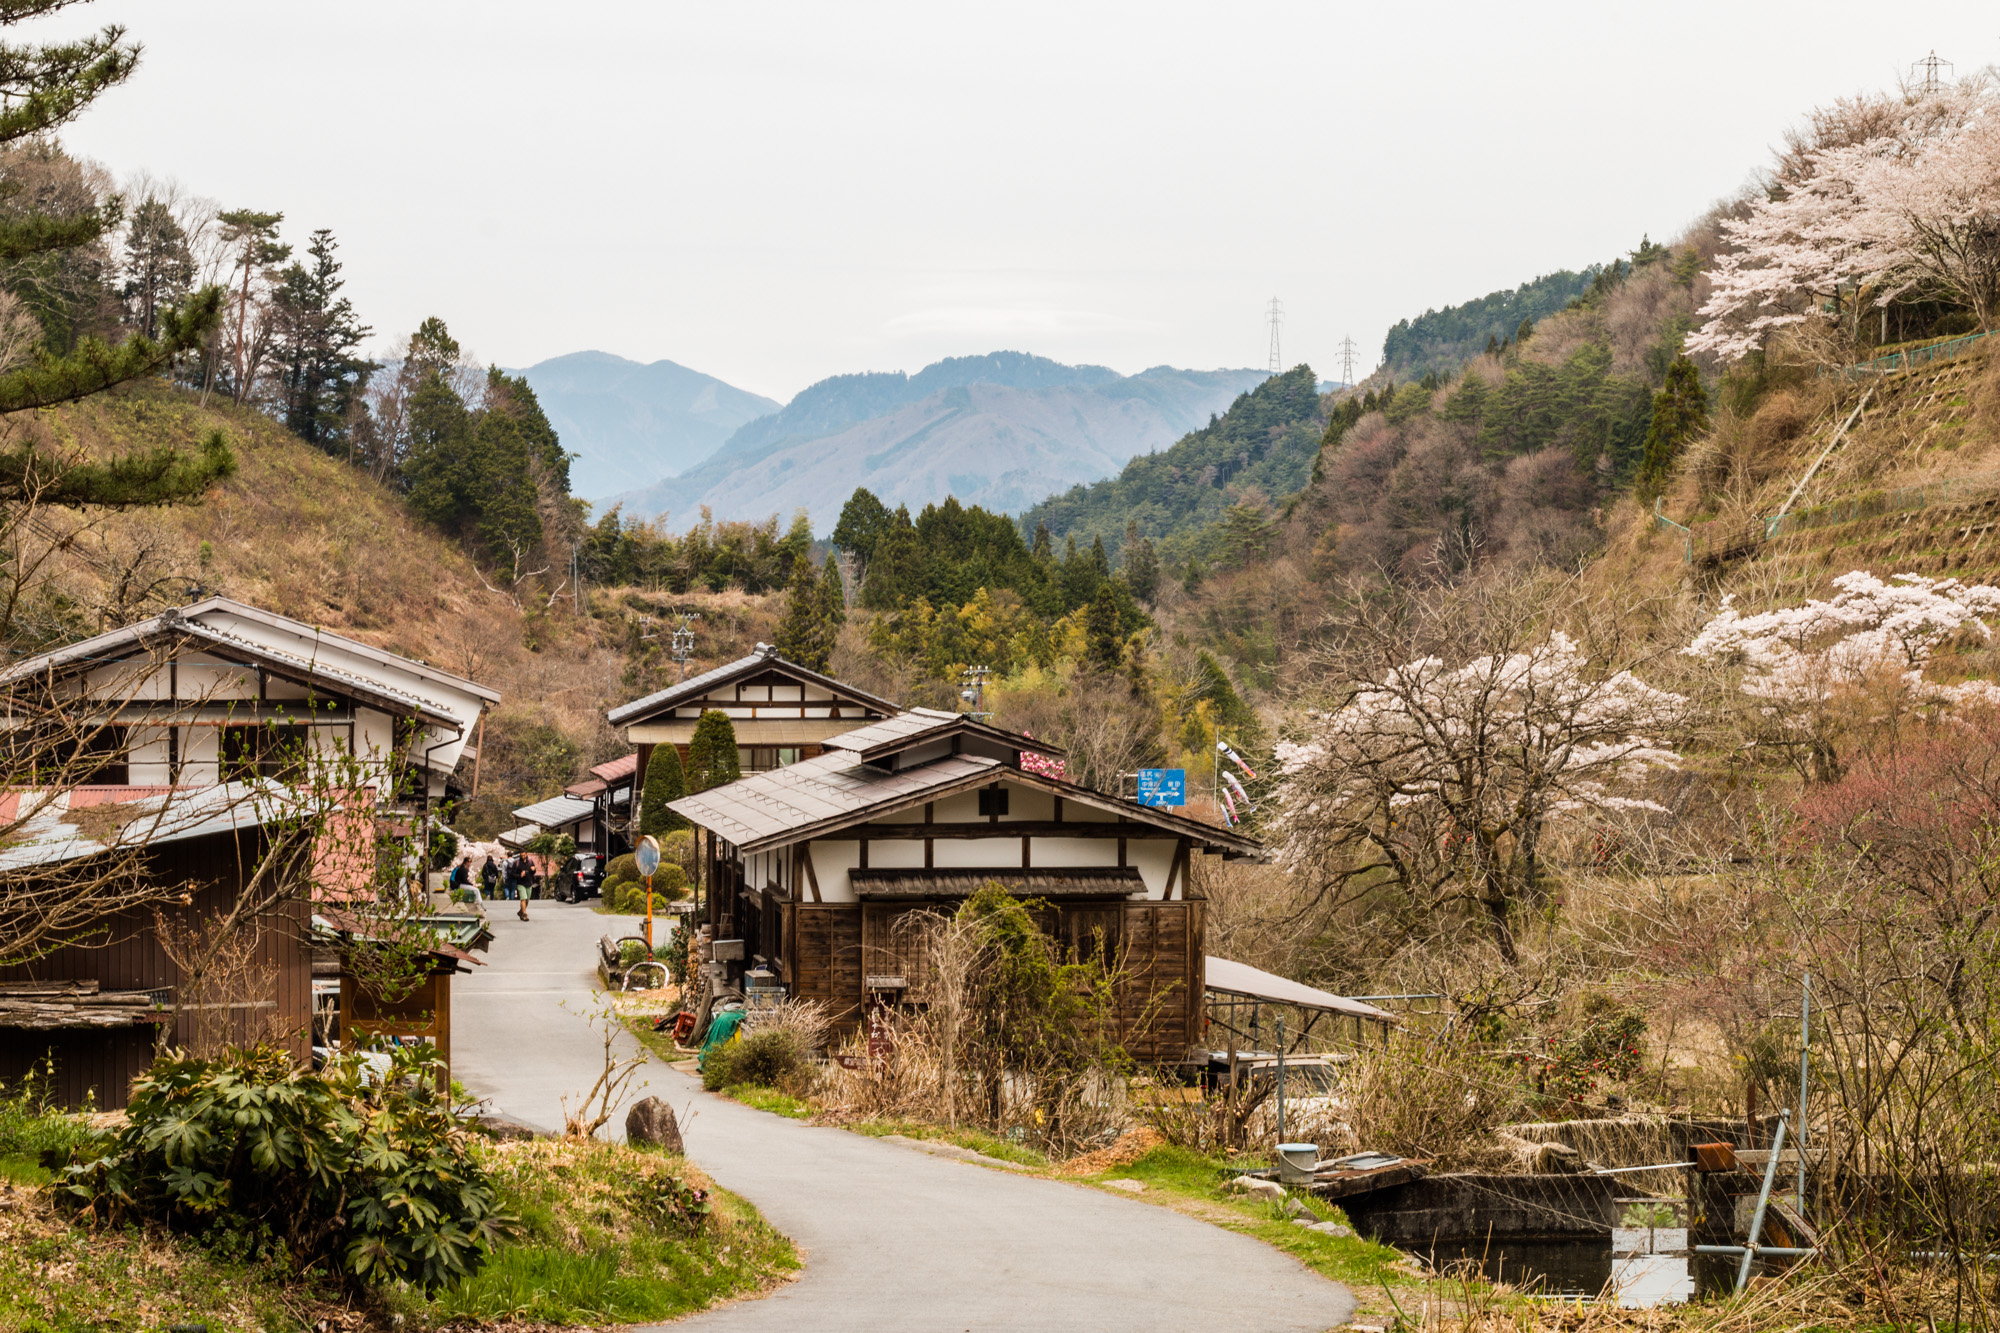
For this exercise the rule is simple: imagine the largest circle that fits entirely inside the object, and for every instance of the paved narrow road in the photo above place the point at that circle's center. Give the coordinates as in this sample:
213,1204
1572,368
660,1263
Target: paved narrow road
893,1239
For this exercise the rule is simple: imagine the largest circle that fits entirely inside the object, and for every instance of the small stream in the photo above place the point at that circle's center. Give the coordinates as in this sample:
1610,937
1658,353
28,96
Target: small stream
1583,1269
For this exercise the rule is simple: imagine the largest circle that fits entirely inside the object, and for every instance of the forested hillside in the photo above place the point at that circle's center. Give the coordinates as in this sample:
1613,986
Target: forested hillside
1258,452
1443,340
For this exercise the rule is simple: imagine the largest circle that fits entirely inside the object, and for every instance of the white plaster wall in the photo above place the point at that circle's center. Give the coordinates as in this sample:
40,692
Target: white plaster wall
1075,852
1155,859
142,679
200,755
960,809
832,860
896,854
147,757
1025,803
975,853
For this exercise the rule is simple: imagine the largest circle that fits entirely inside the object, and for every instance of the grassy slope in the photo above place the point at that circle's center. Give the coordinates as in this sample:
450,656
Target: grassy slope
583,1255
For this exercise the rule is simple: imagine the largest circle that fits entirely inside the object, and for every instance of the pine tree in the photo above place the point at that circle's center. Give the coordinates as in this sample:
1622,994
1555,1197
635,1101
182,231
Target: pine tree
1100,563
159,266
43,86
1104,642
1680,414
1044,548
800,638
712,757
863,520
832,608
895,575
666,781
317,341
1142,568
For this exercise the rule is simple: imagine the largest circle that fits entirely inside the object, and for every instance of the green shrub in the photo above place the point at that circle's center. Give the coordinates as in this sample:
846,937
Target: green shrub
33,1131
769,1059
622,870
370,1174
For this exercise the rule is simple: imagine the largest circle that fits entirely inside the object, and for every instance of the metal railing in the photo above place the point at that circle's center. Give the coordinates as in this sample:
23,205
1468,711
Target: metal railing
1911,357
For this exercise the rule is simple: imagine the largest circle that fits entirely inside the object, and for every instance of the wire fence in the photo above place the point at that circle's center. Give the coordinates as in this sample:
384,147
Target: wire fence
1912,357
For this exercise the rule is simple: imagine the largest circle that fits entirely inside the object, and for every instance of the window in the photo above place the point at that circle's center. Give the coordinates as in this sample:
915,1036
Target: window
97,758
760,758
276,750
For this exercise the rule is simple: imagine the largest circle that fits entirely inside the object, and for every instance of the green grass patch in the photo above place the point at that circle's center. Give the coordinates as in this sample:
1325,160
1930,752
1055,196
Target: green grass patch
770,1099
588,1250
1363,1266
978,1140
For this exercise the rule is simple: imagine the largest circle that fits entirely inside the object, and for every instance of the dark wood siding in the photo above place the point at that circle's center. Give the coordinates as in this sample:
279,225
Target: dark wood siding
1159,1004
827,964
126,955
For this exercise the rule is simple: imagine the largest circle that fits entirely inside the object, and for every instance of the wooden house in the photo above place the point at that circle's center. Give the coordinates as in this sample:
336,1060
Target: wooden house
220,691
811,866
93,1007
611,790
782,712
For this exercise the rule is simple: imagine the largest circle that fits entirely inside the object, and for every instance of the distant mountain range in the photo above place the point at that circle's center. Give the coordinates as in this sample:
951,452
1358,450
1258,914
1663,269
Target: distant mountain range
629,422
1005,430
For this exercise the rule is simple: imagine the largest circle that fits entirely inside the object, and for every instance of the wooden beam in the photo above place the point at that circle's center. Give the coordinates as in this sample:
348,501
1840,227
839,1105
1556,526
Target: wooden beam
1023,828
812,876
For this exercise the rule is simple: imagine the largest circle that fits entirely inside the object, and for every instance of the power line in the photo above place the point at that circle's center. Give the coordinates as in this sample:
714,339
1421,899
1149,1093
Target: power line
1277,318
1347,362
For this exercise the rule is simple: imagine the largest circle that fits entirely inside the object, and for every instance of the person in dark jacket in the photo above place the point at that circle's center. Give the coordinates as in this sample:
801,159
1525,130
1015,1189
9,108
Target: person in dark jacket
489,878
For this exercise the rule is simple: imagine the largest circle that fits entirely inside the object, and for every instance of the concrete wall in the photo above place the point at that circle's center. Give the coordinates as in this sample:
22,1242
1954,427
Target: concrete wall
1470,1205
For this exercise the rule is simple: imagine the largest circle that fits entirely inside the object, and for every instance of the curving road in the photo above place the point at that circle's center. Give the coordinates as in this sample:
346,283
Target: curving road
893,1239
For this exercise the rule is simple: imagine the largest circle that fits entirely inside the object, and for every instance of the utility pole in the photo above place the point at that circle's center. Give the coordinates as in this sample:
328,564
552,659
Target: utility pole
1277,318
1347,362
972,689
682,639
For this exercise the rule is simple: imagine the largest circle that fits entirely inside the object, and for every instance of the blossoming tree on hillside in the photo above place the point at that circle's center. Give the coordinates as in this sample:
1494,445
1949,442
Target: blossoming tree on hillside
1435,780
1799,663
1884,199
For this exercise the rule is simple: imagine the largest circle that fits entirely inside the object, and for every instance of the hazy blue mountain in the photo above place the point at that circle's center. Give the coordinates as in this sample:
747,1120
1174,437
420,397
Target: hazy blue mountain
629,422
1004,431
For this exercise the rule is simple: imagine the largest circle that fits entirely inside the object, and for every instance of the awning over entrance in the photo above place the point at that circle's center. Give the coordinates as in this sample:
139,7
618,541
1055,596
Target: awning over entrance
960,882
1250,983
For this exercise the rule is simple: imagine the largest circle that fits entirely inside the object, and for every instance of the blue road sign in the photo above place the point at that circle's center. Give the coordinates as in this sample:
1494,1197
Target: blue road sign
1163,786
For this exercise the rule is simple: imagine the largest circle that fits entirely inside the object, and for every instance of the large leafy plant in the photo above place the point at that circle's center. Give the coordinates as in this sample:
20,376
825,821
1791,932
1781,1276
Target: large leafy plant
365,1170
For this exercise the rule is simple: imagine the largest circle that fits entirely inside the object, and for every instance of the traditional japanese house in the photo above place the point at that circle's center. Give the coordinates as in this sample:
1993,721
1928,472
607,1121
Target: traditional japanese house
610,790
220,691
782,712
810,867
89,1011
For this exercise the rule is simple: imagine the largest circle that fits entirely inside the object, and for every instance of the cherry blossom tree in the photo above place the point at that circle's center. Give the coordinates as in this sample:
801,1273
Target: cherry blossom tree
1433,778
1880,198
1797,663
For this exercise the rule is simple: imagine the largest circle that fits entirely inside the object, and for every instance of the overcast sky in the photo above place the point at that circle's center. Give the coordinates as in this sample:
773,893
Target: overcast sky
775,193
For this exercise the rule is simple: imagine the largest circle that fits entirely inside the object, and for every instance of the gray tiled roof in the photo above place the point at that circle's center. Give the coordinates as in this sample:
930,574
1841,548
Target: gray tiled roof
696,686
914,725
556,812
830,789
189,622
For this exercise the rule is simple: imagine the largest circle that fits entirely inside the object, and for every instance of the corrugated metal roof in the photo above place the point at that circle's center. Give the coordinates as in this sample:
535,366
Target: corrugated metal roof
827,790
50,838
695,686
957,881
1228,977
556,812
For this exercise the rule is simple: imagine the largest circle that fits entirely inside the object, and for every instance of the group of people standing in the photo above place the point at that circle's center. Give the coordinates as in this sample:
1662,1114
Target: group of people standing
509,878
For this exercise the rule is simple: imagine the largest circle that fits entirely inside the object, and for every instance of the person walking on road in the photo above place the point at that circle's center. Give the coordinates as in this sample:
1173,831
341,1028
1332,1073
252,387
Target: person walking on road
522,870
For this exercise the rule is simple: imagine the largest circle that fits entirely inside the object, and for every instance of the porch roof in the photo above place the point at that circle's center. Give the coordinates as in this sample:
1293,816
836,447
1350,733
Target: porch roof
963,881
556,812
1227,977
767,659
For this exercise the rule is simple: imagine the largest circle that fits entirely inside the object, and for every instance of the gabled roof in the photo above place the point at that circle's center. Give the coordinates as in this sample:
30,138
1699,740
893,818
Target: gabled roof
838,790
919,726
205,623
556,812
765,659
